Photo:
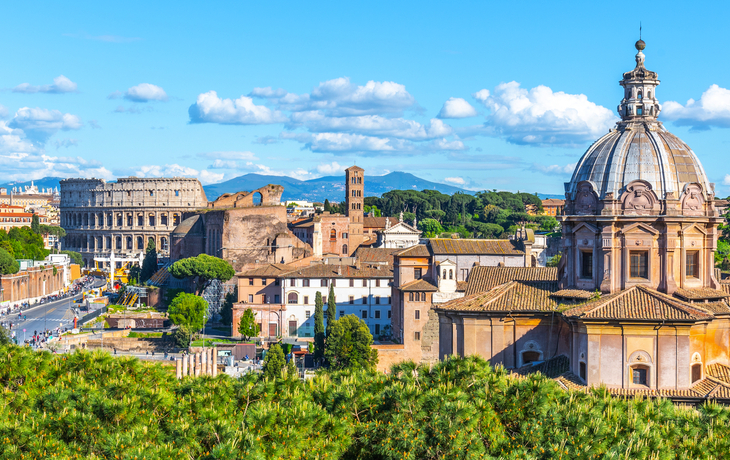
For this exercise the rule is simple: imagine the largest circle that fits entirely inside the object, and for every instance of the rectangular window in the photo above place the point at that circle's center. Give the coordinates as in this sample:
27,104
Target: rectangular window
250,281
352,299
250,298
586,265
307,313
140,221
342,313
263,281
377,282
324,283
277,282
324,299
293,283
417,273
693,264
389,300
306,300
352,283
639,264
388,314
418,314
410,297
305,282
417,336
364,314
364,300
377,314
276,298
377,300
639,375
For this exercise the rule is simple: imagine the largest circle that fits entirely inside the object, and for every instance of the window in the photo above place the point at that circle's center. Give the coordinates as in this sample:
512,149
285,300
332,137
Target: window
377,300
344,235
307,313
696,372
377,329
388,314
250,298
292,282
263,281
250,281
276,298
344,249
364,299
277,282
693,264
639,264
389,302
324,283
333,235
293,298
364,314
451,274
119,220
418,314
377,282
129,220
152,221
140,242
352,299
583,370
364,283
417,273
639,375
140,221
352,283
586,265
163,219
410,296
129,242
639,111
305,282
306,300
416,335
177,192
342,313
377,314
152,193
175,219
530,356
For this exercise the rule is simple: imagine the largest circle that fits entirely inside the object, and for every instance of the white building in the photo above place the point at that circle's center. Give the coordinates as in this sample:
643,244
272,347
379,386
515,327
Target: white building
401,235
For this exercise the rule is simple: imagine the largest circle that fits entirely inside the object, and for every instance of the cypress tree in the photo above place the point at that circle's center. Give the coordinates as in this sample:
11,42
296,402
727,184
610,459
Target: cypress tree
318,327
331,309
35,224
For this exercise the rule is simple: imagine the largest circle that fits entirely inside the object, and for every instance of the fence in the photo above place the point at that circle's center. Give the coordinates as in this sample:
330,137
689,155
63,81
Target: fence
89,316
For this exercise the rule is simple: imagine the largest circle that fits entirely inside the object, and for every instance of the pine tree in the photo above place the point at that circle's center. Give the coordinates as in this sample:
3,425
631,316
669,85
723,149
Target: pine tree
331,309
247,326
274,362
318,327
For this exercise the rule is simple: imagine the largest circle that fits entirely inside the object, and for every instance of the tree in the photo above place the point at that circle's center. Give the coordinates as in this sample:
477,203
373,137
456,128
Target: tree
74,256
349,344
318,327
35,224
274,362
554,261
331,309
188,310
430,227
5,337
204,268
8,264
149,264
247,326
134,274
182,336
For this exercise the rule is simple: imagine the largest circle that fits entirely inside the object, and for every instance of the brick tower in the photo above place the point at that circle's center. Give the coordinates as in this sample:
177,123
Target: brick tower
354,197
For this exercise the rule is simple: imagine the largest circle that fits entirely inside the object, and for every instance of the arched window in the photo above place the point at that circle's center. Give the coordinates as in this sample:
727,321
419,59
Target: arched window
140,242
530,356
292,298
344,249
640,96
129,242
410,296
333,234
451,274
444,275
119,243
696,372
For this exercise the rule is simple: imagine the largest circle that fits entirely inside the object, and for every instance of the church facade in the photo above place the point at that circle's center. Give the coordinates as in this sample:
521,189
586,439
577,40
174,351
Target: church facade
635,303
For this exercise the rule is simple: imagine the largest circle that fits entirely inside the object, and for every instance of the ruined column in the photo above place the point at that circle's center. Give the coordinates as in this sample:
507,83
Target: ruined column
197,365
178,368
191,364
185,365
204,362
215,361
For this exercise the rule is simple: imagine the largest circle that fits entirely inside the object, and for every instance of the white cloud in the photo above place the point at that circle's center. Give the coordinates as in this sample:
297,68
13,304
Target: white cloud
455,180
374,125
457,107
726,180
66,143
344,142
713,109
145,92
540,116
3,111
60,85
329,169
168,170
554,169
40,124
224,164
209,108
482,95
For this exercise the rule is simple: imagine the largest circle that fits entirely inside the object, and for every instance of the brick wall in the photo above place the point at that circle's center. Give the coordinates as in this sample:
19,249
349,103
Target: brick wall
31,283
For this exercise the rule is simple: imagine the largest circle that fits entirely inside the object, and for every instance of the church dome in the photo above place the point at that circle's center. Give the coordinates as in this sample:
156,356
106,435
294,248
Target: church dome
639,147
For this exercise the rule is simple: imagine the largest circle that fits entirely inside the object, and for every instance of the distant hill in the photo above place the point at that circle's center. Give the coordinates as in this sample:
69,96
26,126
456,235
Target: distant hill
46,182
329,187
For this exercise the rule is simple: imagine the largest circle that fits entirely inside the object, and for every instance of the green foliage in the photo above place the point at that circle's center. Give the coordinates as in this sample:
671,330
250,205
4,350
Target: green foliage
35,224
274,362
318,327
75,257
431,228
52,230
8,264
331,309
5,338
134,274
23,243
349,345
188,310
247,326
554,261
722,253
91,405
374,209
149,264
204,268
182,336
227,308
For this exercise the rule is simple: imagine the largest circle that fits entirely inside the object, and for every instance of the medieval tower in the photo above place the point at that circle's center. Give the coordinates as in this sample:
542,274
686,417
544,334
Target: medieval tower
354,193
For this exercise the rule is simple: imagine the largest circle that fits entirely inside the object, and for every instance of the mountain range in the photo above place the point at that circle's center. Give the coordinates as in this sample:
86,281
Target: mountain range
327,187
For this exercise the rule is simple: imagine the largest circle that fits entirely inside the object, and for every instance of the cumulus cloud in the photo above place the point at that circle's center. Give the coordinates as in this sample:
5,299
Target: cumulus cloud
266,140
60,85
540,116
554,170
329,169
40,124
457,107
209,108
373,125
713,109
455,180
3,111
726,180
145,92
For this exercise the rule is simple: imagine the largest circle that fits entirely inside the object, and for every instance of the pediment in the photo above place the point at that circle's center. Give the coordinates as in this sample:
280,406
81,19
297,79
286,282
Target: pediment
639,228
693,229
585,225
402,227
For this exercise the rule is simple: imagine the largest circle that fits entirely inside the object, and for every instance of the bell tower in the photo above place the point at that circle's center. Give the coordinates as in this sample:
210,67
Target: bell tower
355,190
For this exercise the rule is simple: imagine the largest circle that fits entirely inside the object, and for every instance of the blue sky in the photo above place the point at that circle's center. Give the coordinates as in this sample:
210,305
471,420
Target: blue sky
481,95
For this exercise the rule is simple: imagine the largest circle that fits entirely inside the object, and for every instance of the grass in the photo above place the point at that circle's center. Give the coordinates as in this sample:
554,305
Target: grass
210,342
144,335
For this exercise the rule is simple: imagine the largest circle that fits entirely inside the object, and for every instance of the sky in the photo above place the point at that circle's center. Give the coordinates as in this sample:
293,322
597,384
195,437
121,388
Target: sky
481,95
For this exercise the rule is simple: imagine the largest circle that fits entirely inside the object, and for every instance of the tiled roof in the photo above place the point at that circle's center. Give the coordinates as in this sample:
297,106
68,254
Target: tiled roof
376,222
638,303
553,202
484,278
341,271
419,285
550,368
700,294
302,223
373,255
461,286
419,250
510,297
444,246
716,308
718,371
270,270
574,294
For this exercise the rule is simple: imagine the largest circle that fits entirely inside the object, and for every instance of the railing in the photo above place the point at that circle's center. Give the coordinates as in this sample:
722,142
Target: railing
89,316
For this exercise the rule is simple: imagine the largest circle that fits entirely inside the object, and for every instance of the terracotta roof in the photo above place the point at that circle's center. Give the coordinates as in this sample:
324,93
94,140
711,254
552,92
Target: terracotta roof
553,202
552,368
638,303
716,308
419,250
443,246
419,285
700,294
269,270
341,271
302,223
484,278
718,371
574,294
370,255
376,222
510,297
461,286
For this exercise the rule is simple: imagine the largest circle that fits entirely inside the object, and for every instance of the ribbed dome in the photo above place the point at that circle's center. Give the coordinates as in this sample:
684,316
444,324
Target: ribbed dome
639,151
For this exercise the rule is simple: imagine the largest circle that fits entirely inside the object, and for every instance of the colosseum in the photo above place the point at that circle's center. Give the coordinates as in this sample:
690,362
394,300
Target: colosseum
122,216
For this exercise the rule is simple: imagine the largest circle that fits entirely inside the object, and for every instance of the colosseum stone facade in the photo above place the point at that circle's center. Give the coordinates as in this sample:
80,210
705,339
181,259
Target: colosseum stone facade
122,216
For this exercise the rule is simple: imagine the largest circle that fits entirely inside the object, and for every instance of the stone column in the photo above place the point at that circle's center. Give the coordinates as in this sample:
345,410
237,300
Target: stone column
215,361
185,365
178,368
191,365
204,362
197,365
